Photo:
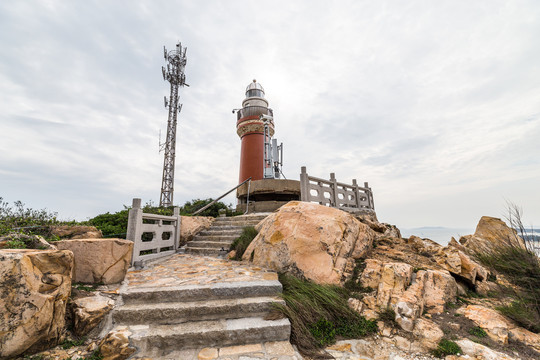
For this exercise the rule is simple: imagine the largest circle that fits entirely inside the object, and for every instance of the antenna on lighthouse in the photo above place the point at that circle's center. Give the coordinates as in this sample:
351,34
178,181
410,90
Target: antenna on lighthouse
174,74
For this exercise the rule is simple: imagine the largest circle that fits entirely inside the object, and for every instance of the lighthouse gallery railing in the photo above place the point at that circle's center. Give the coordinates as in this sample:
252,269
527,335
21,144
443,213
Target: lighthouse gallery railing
253,111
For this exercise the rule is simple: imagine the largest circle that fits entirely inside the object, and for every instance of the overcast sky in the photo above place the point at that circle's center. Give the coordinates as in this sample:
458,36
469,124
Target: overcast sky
435,103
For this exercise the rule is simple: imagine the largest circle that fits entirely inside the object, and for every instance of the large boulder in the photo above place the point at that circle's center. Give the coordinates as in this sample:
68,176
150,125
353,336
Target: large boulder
192,225
34,289
76,232
310,240
88,312
490,234
99,260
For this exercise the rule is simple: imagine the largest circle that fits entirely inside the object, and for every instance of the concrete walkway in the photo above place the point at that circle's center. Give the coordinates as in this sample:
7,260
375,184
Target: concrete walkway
195,307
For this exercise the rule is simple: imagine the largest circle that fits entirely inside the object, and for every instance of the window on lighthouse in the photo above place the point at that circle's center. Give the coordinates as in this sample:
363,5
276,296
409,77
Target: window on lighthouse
255,93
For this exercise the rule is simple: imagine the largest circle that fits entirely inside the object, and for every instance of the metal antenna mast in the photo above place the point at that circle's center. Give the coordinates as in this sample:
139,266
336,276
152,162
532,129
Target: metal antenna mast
174,73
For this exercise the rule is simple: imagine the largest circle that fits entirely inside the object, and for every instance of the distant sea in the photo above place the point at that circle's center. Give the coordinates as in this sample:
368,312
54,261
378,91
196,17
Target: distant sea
442,235
439,234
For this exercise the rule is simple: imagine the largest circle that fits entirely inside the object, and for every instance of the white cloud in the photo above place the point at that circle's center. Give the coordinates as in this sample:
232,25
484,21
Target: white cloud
435,104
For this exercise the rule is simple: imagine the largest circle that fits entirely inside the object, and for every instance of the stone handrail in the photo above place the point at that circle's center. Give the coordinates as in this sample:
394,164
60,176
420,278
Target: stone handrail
153,235
335,194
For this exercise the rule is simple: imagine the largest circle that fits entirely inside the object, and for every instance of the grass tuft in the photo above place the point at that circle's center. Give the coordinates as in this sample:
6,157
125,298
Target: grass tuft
446,347
319,313
522,268
478,332
388,316
241,243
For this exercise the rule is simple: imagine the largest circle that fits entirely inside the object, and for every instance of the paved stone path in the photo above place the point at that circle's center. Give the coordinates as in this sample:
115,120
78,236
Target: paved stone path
184,269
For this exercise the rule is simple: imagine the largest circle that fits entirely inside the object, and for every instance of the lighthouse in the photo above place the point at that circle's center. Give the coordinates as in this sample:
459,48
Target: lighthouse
260,156
252,119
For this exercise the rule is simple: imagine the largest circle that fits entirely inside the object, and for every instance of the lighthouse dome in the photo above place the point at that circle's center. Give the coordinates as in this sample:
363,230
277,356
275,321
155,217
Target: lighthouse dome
254,89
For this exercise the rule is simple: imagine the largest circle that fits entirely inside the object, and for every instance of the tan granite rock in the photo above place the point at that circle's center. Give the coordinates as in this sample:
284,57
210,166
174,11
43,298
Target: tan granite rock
192,225
500,328
495,324
428,333
76,232
410,304
115,345
395,278
461,264
310,240
439,288
479,351
491,233
371,276
34,288
99,260
88,312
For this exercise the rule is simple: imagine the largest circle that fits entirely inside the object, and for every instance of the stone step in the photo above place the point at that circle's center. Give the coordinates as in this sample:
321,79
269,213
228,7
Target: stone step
225,227
214,237
210,244
218,291
222,230
179,312
155,340
206,251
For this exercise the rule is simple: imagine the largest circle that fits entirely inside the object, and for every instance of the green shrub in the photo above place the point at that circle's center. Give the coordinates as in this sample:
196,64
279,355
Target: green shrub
20,219
388,316
241,243
447,347
15,244
478,332
69,343
314,310
323,331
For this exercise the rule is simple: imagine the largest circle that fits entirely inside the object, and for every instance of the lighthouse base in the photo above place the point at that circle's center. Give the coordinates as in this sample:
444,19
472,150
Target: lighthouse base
267,195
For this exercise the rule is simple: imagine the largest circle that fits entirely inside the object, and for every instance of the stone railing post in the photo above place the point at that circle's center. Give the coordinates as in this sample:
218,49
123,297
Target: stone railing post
369,196
334,195
304,185
134,229
178,227
356,193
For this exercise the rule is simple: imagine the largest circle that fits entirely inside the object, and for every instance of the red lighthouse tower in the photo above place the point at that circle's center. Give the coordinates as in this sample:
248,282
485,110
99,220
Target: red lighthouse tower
250,128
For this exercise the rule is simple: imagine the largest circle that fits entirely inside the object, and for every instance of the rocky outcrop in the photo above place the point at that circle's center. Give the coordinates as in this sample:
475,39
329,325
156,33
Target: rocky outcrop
192,225
479,351
88,312
499,328
427,333
310,240
34,289
115,345
395,278
76,232
490,234
99,260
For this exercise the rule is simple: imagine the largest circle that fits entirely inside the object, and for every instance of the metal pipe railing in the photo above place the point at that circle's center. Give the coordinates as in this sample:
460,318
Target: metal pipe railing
222,196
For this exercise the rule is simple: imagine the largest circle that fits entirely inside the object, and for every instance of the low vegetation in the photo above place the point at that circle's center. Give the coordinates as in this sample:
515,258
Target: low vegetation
20,219
318,314
522,268
241,243
447,347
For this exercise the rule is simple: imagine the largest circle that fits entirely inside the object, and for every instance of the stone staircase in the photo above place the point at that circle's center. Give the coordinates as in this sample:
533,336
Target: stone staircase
217,240
163,320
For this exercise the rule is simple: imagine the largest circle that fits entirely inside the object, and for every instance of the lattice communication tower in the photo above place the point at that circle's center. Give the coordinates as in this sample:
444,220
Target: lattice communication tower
174,74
